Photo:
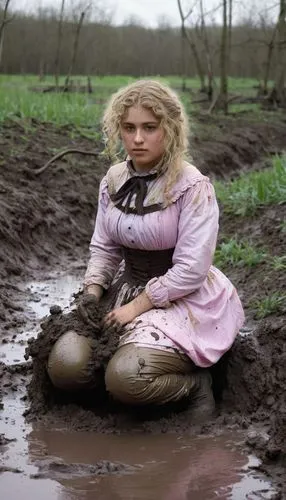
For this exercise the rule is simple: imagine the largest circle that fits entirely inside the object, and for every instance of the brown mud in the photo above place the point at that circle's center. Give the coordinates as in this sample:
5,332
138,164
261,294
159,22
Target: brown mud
45,219
86,319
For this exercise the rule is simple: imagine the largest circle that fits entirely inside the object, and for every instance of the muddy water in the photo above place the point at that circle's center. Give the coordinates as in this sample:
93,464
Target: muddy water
55,464
57,288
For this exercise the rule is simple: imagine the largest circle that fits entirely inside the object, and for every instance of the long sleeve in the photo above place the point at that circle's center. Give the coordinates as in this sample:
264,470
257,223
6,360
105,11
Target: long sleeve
105,254
197,235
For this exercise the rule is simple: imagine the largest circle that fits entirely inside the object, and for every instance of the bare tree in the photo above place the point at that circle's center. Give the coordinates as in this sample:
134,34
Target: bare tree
188,36
59,43
280,76
223,60
4,21
208,55
75,47
229,32
269,55
221,99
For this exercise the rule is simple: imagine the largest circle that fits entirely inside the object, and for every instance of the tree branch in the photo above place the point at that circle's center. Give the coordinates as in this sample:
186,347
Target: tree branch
61,154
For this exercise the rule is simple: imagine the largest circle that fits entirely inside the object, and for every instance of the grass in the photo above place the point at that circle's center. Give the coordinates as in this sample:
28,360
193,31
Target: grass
242,108
60,109
279,263
238,254
245,195
274,303
83,110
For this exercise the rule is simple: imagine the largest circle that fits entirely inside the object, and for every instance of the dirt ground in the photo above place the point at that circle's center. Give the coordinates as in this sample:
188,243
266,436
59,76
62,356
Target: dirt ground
49,217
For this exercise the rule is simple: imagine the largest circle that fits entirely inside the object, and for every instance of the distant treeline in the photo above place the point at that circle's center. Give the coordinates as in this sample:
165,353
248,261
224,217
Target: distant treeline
31,41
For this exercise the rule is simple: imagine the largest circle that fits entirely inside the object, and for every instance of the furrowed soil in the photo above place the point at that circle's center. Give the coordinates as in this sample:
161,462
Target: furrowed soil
46,222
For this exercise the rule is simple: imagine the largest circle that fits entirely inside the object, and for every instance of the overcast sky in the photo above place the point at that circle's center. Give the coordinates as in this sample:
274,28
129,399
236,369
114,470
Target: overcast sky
148,11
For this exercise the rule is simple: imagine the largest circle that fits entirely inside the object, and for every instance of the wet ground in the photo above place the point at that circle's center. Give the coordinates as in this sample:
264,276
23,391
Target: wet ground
70,453
55,463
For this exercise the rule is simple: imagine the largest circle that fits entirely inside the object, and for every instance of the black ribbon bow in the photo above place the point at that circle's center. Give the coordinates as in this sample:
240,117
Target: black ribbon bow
136,185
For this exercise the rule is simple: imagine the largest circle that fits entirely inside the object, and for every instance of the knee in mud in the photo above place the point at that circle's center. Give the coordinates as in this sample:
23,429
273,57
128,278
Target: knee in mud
122,376
69,361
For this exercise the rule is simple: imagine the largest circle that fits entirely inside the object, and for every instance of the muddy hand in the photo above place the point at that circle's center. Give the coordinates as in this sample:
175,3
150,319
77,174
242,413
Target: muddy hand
86,308
121,316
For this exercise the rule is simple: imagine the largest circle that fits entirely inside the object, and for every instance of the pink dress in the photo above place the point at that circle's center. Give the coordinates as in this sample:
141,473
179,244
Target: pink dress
196,308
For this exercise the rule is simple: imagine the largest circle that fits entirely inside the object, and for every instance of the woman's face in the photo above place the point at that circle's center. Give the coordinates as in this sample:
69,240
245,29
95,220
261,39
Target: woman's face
142,137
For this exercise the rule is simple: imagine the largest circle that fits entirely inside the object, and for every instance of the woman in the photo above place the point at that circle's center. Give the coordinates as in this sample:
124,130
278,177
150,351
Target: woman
151,256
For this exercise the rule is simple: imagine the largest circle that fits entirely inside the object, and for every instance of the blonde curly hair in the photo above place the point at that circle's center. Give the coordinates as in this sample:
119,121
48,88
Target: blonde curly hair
167,108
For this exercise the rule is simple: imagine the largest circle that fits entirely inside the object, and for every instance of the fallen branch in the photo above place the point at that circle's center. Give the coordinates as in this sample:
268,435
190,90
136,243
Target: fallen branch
213,104
61,154
200,101
234,98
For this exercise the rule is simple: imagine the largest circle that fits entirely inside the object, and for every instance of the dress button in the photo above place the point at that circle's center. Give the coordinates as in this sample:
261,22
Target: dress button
129,227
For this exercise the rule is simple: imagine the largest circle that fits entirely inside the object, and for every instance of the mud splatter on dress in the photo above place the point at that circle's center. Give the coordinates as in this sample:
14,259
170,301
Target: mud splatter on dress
139,243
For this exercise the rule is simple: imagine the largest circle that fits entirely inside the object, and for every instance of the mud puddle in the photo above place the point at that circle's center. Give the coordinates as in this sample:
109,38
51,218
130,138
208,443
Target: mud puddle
76,466
57,464
57,288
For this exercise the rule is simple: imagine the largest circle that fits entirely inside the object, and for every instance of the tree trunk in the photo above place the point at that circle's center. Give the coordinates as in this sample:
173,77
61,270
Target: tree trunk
59,43
229,33
189,37
199,67
280,91
223,61
75,47
183,60
270,50
208,53
3,24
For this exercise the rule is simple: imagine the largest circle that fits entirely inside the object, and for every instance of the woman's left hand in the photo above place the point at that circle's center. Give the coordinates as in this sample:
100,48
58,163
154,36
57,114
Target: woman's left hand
121,316
127,313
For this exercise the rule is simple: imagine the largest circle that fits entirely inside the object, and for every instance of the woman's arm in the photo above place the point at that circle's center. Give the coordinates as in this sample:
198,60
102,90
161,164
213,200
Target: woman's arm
196,242
105,254
128,312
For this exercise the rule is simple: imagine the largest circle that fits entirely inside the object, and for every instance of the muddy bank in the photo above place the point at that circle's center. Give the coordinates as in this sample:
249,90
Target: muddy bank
225,147
256,283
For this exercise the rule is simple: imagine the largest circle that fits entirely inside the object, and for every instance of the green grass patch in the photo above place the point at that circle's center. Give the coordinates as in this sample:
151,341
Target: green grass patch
247,107
279,263
274,303
238,254
243,196
84,109
61,109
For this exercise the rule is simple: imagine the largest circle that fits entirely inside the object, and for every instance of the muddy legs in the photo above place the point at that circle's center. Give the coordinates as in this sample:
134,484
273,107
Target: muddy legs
141,375
69,364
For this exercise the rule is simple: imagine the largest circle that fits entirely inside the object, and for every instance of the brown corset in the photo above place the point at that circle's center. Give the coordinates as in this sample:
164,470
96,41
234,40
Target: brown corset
142,265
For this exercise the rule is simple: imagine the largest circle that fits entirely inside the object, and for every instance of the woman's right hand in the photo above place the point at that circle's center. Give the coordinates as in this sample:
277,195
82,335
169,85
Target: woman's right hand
88,305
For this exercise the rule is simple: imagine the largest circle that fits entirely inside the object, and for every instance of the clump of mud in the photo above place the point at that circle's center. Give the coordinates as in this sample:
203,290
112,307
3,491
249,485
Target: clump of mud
86,319
57,469
11,377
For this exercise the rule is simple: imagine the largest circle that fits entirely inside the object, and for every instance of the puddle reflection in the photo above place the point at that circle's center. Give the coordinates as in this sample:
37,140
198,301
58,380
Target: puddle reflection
168,467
